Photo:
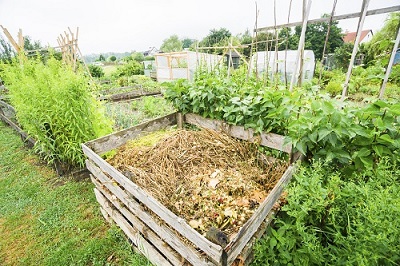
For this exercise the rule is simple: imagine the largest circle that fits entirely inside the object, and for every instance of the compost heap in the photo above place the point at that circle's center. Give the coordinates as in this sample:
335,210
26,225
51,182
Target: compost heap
208,178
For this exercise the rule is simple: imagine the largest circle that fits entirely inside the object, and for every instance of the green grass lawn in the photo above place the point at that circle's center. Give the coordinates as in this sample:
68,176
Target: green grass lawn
47,220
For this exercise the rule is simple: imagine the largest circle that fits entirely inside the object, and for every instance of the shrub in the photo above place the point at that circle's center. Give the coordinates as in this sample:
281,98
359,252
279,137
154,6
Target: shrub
334,88
55,107
130,68
96,71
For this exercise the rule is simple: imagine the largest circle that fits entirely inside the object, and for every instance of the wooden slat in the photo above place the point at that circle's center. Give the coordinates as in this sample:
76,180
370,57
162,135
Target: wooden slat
149,235
166,234
127,96
270,140
215,252
247,252
6,105
145,247
118,139
22,133
250,227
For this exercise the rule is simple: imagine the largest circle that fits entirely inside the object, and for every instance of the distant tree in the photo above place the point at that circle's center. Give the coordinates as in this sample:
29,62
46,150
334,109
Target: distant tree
96,71
101,58
342,56
287,40
380,46
113,58
315,37
216,37
171,44
6,51
186,43
138,56
30,44
245,39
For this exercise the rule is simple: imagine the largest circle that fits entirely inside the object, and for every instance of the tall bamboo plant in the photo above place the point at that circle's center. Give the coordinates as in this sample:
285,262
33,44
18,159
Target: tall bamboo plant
54,105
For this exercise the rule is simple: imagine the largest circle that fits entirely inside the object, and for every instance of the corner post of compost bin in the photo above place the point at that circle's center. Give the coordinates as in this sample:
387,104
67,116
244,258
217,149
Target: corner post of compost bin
179,120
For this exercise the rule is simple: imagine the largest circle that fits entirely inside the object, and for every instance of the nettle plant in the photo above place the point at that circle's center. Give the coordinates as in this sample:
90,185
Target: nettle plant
316,125
55,107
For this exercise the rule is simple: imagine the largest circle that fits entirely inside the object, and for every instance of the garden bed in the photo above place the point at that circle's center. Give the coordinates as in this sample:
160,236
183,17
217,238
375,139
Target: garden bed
147,214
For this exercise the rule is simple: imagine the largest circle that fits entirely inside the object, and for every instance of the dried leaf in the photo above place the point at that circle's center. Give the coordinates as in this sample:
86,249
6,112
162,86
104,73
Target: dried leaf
213,183
216,172
196,223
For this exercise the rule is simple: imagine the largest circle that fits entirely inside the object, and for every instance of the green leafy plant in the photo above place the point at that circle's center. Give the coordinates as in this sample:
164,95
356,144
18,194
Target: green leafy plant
96,71
54,106
331,220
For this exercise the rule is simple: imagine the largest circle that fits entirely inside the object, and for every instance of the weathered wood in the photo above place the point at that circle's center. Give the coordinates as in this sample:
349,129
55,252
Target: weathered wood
6,105
251,226
179,120
355,48
148,234
118,139
165,233
145,247
127,96
215,252
19,130
246,255
335,18
270,140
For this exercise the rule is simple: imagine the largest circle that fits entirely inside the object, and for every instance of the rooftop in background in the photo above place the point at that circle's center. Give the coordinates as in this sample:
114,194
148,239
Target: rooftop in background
366,35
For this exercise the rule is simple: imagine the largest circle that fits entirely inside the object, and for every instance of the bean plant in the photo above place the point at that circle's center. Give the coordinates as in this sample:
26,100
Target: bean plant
351,136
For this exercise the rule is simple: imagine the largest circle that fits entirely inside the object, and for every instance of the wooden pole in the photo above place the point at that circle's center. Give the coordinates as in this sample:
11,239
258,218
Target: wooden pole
301,45
300,77
389,68
287,44
338,17
355,49
326,40
11,39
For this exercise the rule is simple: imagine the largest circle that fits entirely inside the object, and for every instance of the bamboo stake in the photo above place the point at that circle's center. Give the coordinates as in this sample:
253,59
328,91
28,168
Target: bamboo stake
300,77
287,44
275,63
389,68
11,39
355,49
301,45
326,39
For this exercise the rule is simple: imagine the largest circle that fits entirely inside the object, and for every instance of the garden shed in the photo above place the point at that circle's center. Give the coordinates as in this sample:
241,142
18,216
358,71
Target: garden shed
278,61
177,65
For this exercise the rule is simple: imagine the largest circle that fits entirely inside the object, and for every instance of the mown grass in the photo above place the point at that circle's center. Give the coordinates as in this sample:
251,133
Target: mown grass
45,220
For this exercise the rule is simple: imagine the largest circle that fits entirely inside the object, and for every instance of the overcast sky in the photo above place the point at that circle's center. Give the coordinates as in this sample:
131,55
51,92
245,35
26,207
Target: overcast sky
123,25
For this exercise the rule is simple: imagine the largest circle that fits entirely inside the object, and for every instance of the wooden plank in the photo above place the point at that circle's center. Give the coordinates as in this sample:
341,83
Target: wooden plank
215,252
250,227
118,139
22,133
145,247
127,96
246,255
6,105
149,235
166,234
335,18
270,140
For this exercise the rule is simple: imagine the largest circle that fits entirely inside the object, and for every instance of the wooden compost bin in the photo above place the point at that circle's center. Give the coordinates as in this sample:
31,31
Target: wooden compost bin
154,230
